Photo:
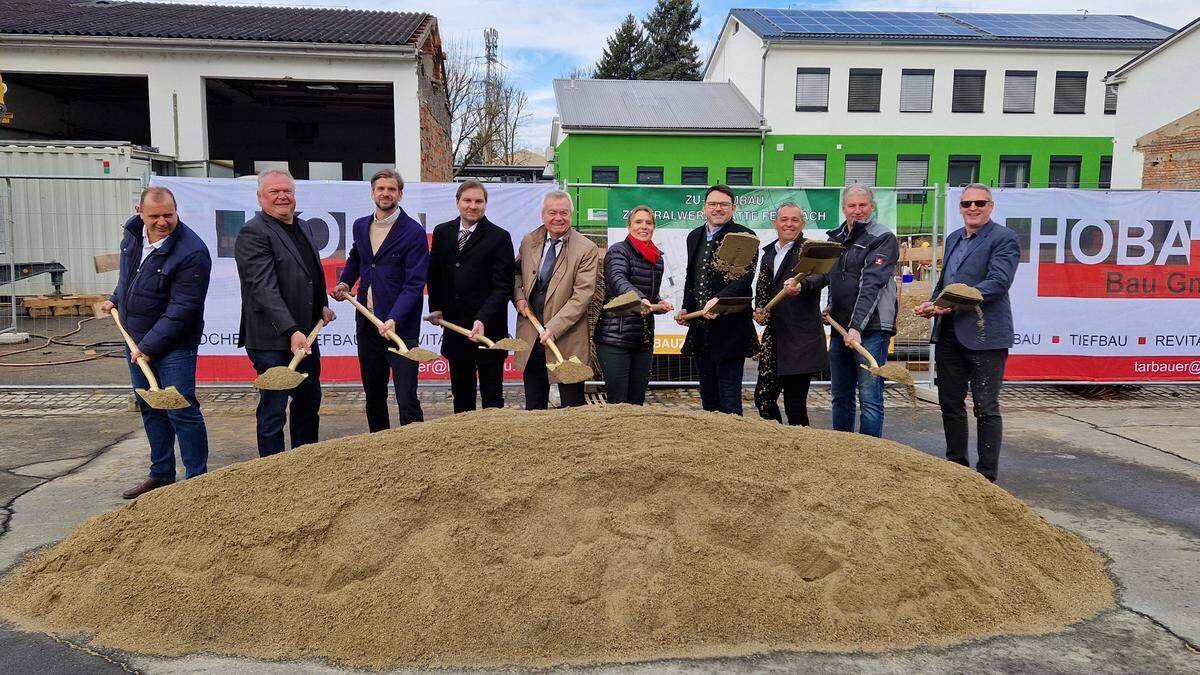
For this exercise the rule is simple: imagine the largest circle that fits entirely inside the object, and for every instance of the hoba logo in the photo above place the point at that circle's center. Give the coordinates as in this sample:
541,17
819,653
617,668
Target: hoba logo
1093,258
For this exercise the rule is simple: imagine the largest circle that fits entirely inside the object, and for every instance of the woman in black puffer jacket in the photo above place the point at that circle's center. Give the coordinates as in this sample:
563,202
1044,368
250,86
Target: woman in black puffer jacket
625,344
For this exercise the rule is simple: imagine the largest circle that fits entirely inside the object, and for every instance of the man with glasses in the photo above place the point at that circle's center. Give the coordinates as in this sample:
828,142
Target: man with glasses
971,351
719,343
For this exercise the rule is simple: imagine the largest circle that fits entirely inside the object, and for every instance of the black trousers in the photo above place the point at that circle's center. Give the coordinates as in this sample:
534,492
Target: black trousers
463,370
795,400
983,371
304,420
376,364
537,383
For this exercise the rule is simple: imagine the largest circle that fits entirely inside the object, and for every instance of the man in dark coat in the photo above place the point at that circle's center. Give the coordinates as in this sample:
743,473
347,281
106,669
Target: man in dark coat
165,270
971,351
719,343
471,272
283,298
389,260
793,344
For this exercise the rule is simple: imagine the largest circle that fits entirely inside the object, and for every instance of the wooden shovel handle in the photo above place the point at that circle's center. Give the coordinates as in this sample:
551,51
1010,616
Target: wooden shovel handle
142,361
391,334
693,315
466,333
857,347
312,337
781,294
550,343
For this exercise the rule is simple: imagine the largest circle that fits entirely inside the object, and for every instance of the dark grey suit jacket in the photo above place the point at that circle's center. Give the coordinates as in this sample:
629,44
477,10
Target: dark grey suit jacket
990,268
277,291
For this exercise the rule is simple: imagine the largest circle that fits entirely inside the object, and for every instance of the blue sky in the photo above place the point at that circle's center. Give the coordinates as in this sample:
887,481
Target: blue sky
544,40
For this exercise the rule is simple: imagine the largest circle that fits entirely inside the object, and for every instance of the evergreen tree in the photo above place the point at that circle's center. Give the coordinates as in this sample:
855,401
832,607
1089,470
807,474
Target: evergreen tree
671,54
625,54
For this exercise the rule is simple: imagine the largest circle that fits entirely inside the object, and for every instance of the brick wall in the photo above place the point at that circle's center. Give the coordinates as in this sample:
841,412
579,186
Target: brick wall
437,162
1171,155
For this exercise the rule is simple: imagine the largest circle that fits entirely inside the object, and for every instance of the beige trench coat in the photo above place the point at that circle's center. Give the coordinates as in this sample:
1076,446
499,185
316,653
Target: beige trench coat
571,287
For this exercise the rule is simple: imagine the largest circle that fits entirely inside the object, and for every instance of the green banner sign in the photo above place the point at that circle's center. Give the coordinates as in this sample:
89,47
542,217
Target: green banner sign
683,207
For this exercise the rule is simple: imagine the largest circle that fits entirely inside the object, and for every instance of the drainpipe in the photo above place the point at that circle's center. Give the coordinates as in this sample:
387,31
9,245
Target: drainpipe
762,118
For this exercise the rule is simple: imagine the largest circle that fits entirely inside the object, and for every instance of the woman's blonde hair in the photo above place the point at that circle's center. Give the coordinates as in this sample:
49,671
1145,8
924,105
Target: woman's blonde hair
641,207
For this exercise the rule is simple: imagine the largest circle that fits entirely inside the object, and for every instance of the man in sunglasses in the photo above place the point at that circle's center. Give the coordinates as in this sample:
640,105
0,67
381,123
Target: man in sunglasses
971,350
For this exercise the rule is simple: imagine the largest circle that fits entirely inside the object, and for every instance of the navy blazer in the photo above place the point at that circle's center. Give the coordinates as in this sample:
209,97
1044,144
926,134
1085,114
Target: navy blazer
396,273
990,268
161,301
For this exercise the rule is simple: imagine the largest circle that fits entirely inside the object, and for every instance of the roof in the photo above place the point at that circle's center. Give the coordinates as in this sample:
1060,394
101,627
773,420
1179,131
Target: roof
1120,73
1085,30
209,22
654,105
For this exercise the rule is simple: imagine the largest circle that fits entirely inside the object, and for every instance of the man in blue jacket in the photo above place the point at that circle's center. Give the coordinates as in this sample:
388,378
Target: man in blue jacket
164,276
390,260
971,351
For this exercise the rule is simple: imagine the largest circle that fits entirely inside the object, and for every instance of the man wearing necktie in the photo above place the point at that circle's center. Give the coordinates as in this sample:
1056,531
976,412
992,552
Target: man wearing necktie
556,277
471,273
390,260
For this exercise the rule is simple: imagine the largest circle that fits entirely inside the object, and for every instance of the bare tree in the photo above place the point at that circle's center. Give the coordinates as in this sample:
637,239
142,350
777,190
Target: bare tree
513,116
471,127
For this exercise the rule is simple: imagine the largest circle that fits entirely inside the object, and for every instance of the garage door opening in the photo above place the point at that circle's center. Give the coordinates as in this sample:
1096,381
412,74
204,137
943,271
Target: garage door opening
317,130
48,107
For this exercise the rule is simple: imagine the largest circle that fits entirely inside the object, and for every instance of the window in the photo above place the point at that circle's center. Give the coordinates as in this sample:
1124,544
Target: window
962,169
812,90
1064,172
1014,172
650,175
1070,91
912,171
605,174
693,175
808,171
864,89
1110,99
739,175
916,90
968,91
1105,182
1020,87
860,169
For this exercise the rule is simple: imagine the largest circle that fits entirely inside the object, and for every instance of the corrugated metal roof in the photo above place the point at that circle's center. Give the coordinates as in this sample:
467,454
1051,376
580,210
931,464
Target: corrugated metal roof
653,105
209,22
1083,30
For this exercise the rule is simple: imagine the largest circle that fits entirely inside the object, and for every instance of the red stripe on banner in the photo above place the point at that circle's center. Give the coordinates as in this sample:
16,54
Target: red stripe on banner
237,369
1103,368
1057,280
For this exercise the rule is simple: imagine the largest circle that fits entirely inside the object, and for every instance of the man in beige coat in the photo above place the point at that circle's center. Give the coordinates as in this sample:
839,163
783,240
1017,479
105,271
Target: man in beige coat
556,276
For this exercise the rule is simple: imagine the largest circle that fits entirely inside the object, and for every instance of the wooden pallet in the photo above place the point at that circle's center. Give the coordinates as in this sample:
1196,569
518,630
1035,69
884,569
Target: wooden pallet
67,305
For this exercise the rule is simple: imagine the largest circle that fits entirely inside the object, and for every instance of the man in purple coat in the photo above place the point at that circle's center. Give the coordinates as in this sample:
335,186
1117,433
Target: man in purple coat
390,260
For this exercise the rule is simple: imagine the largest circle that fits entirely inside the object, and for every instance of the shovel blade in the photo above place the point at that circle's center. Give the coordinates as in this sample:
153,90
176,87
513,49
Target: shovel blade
511,345
163,399
279,378
418,354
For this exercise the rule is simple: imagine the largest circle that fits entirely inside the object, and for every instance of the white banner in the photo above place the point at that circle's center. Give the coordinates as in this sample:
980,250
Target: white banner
216,208
1107,285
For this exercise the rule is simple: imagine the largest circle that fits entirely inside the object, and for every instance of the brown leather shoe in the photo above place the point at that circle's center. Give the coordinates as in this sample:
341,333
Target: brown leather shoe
144,487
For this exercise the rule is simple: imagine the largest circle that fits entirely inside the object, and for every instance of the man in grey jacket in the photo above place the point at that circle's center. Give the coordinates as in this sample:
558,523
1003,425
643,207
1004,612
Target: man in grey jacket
971,351
283,298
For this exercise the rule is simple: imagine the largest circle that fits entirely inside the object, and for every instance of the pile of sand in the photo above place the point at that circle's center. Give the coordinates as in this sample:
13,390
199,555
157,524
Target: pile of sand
598,534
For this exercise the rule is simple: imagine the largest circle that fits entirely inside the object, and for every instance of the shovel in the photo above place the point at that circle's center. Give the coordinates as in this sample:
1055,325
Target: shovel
626,304
503,344
896,372
728,305
568,371
816,257
159,399
959,296
281,378
417,354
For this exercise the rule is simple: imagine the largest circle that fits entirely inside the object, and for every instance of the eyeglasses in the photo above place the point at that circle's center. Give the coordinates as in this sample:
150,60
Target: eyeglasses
977,203
718,204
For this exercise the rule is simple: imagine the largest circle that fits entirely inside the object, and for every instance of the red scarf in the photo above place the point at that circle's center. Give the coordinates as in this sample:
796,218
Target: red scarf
647,248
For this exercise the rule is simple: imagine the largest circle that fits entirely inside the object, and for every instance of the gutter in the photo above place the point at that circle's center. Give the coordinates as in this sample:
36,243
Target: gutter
250,47
649,131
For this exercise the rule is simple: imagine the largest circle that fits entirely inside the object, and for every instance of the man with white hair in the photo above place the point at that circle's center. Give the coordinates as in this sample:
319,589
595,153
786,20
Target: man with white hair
556,277
283,298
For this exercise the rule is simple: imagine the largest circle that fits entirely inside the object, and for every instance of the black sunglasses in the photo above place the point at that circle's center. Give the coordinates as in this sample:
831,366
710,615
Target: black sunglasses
977,203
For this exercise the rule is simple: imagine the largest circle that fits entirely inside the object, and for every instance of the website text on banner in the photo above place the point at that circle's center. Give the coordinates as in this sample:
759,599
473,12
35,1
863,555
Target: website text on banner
679,210
1107,286
216,208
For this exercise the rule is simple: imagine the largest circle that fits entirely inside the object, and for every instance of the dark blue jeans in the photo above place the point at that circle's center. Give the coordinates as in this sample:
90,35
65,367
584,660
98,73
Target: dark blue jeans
176,368
849,382
304,421
375,363
720,384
